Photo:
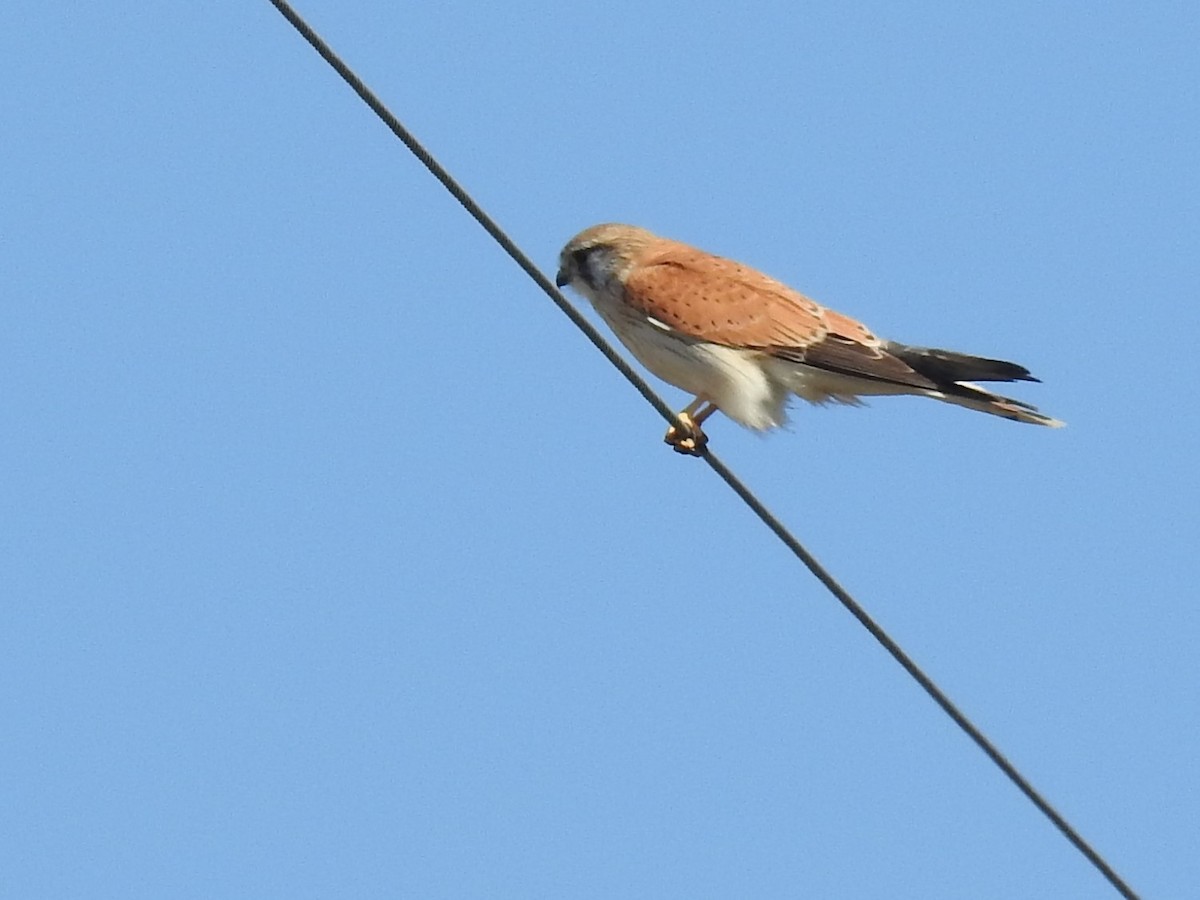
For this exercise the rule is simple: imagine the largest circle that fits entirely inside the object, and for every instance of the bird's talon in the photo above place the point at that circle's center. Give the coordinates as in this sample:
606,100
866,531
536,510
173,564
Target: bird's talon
688,440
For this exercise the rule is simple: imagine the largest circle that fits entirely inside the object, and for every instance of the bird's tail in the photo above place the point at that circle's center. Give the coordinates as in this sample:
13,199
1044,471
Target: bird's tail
954,374
972,396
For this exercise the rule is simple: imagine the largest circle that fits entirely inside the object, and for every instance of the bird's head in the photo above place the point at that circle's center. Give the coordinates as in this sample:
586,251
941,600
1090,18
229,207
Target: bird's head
600,254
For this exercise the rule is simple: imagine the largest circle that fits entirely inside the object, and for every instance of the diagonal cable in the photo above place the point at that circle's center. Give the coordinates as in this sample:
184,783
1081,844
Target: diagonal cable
724,472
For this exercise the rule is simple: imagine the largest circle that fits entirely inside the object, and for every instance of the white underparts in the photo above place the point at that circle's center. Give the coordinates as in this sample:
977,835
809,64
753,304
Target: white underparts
752,387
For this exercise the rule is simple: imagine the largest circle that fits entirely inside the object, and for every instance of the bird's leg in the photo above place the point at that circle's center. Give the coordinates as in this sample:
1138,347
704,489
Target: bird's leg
686,437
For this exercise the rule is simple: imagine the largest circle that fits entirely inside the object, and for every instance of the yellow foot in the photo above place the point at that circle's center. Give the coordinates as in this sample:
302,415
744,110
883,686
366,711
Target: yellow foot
689,439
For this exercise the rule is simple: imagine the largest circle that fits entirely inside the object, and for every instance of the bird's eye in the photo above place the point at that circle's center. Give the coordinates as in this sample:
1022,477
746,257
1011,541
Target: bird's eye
579,260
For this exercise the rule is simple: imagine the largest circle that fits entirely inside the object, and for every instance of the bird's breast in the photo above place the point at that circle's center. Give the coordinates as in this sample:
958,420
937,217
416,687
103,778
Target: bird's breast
675,358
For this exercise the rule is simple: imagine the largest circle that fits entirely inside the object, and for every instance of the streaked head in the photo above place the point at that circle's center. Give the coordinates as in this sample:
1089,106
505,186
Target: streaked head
600,253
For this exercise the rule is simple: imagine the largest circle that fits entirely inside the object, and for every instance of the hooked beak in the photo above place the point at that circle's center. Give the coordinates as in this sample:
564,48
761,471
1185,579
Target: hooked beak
562,279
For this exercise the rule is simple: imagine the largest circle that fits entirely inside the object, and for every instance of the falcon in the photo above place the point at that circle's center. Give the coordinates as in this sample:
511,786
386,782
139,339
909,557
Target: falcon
743,343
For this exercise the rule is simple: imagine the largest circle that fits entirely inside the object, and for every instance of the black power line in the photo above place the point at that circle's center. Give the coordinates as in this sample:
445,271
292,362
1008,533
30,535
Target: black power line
768,518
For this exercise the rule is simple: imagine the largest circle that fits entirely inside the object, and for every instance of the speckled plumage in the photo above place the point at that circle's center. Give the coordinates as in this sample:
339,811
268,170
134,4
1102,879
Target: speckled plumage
744,342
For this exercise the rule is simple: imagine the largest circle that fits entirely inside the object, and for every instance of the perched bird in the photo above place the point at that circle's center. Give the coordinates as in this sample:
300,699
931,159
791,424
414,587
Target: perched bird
743,343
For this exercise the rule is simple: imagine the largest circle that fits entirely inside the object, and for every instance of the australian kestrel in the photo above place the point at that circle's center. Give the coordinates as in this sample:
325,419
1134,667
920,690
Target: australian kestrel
743,343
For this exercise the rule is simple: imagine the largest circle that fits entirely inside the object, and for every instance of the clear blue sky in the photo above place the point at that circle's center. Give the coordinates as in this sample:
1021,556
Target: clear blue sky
334,562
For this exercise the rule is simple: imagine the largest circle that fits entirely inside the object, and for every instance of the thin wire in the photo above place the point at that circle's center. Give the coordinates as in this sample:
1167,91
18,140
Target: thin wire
733,481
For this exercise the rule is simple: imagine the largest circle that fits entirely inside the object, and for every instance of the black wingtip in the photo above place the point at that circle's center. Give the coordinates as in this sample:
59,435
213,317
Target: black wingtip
947,366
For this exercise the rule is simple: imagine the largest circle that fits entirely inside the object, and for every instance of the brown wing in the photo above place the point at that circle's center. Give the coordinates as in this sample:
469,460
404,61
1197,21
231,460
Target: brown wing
720,301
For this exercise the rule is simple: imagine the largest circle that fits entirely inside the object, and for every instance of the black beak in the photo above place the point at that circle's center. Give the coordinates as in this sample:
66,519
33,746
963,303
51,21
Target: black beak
561,278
